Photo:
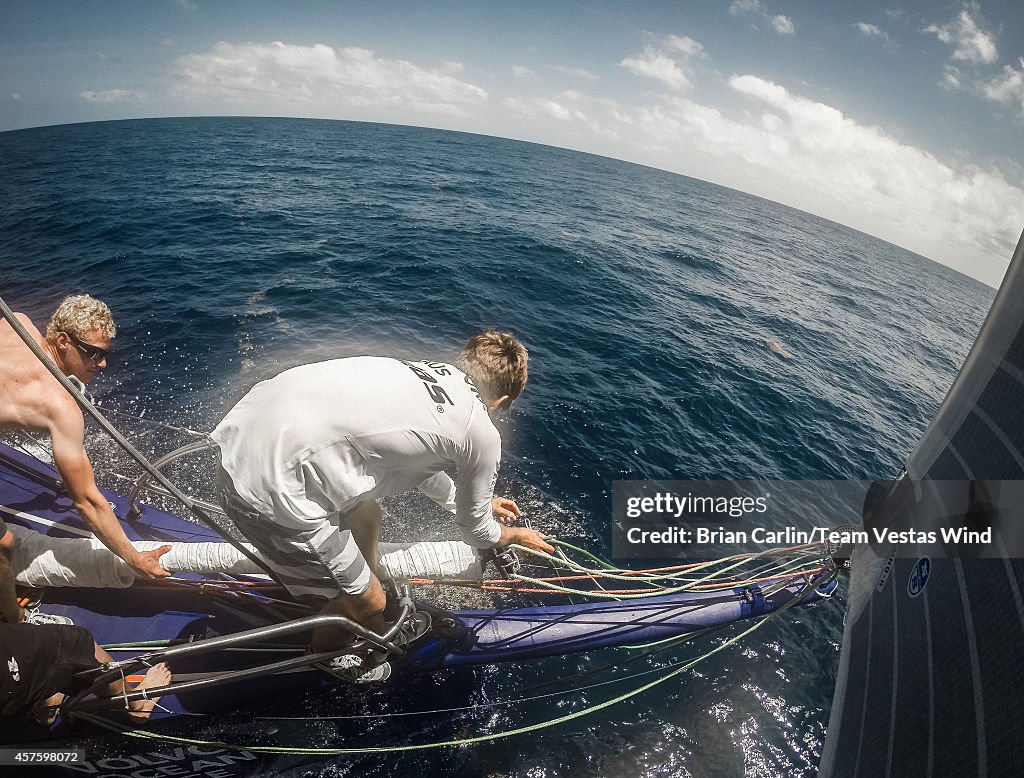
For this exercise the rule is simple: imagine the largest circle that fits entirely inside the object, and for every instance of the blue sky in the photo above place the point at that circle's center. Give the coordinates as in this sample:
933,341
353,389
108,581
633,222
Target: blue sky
902,119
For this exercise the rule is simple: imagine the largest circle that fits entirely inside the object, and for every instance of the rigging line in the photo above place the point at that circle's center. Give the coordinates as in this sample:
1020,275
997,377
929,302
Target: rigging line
156,423
736,561
647,652
782,568
814,568
649,649
107,427
147,735
664,590
534,698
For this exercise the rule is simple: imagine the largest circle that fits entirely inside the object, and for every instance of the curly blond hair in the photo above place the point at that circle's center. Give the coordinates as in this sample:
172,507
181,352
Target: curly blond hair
80,315
496,363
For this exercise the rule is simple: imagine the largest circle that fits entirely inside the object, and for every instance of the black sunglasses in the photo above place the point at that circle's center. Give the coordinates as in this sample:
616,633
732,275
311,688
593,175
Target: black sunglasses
95,353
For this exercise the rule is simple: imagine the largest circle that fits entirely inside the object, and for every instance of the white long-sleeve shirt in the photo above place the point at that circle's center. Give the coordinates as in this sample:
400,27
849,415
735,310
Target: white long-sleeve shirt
318,438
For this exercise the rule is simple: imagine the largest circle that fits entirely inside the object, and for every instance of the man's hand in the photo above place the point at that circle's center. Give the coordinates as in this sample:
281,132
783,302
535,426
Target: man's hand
504,510
525,536
146,564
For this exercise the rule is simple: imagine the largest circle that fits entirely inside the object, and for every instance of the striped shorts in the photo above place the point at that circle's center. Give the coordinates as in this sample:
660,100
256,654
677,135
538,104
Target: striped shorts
314,559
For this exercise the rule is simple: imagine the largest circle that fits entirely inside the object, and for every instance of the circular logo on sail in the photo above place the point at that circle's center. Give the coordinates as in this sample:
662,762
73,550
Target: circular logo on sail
919,576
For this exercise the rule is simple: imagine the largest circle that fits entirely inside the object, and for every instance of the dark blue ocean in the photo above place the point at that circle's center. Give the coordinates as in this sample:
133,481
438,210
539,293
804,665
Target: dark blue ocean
231,249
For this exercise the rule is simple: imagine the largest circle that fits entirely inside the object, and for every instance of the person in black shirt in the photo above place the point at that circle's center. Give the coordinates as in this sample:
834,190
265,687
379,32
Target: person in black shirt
37,667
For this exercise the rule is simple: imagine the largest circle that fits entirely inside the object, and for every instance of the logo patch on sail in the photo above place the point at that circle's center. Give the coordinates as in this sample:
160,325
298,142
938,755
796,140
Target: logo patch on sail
919,576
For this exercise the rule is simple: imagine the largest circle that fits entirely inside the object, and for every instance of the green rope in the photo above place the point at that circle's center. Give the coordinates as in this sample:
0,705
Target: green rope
582,551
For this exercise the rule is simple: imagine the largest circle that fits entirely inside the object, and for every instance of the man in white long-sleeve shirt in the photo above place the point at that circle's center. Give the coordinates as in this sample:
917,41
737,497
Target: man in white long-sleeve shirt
306,455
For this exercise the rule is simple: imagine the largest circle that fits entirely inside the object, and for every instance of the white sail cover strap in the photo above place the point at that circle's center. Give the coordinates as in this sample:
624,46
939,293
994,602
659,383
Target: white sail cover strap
40,560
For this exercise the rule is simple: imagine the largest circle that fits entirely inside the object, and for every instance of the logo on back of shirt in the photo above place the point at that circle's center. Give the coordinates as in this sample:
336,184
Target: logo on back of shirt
12,668
434,389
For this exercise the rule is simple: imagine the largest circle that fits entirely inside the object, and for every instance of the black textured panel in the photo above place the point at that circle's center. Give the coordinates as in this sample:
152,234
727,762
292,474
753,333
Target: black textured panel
999,657
956,742
874,753
849,738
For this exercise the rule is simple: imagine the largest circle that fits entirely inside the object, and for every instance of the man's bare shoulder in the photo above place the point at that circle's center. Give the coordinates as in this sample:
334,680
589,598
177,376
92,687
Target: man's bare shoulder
9,339
29,396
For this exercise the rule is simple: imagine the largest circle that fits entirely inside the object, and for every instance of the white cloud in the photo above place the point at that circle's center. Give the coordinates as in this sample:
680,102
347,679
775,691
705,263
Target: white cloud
812,156
280,73
541,107
684,45
534,106
658,65
738,7
521,71
783,25
872,31
15,96
107,96
577,72
970,42
952,78
1008,86
186,5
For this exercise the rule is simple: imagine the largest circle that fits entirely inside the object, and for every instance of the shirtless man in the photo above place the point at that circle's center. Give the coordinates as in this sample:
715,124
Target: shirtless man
77,340
306,455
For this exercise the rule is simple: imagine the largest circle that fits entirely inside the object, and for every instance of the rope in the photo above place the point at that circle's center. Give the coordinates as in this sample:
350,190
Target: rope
143,734
734,563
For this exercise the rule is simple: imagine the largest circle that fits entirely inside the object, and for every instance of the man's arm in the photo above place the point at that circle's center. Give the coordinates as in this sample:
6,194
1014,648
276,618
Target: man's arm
477,511
68,435
440,488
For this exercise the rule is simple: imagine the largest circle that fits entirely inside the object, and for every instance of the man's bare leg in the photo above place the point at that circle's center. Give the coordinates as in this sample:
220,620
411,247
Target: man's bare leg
10,611
140,710
366,609
364,523
156,676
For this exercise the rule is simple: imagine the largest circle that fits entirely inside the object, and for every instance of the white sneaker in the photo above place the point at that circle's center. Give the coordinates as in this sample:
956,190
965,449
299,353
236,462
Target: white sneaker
352,668
38,617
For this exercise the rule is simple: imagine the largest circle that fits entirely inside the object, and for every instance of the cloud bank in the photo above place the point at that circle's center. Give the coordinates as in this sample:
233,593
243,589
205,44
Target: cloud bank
288,74
837,167
779,145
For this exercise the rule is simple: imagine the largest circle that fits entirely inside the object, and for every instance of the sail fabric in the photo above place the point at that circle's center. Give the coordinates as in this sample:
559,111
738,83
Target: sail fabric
929,677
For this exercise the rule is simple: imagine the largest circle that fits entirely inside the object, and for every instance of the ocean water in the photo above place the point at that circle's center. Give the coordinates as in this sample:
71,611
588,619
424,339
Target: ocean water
231,249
